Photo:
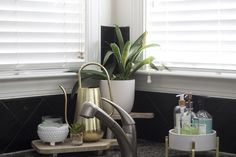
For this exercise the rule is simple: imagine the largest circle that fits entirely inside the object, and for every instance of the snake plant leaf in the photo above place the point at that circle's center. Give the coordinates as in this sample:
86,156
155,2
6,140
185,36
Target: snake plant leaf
139,42
139,64
93,74
74,89
116,51
132,57
119,37
153,66
165,67
127,70
111,68
107,56
117,55
125,53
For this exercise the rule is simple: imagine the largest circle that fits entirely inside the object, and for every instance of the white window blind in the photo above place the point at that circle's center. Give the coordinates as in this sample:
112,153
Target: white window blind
40,35
193,34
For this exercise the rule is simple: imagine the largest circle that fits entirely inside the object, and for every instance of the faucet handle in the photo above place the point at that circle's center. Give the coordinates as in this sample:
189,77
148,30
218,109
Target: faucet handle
126,119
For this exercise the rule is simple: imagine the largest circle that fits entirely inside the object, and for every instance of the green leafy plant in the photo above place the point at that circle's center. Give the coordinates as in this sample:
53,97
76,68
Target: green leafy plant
76,128
127,58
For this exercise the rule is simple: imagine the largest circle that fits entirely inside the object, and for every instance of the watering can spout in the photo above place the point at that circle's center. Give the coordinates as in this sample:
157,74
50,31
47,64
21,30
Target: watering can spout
65,105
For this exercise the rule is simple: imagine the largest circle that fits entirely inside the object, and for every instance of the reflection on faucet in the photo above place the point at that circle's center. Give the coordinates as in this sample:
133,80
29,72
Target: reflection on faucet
126,137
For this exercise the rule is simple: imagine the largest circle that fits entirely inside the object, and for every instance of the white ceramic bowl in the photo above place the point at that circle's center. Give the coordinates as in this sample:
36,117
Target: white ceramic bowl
53,134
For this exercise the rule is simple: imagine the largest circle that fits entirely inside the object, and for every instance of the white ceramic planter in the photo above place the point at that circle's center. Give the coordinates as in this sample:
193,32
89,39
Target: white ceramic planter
123,92
53,134
184,142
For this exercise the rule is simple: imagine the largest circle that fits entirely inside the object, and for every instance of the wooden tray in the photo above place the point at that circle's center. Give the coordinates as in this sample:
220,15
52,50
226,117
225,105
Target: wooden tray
67,147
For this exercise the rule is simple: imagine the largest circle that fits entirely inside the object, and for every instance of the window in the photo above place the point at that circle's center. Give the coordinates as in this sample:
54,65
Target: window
196,38
39,35
193,34
41,39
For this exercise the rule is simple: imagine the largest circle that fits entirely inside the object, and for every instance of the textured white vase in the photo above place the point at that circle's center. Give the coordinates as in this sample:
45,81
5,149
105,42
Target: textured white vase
123,92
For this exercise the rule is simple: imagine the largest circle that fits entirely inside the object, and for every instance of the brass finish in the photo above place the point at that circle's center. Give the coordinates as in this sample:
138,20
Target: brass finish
217,146
167,146
65,97
193,149
107,75
93,131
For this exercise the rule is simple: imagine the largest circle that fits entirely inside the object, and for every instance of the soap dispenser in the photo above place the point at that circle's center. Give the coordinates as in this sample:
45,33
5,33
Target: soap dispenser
189,122
178,111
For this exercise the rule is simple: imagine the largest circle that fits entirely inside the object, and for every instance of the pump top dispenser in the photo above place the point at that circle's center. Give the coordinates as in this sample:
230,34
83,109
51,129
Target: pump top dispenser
181,99
189,123
178,111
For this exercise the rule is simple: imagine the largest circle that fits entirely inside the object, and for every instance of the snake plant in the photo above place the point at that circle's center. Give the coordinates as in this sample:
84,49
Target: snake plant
127,58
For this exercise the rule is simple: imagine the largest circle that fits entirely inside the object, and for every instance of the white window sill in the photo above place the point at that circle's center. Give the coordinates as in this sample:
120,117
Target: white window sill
199,83
20,86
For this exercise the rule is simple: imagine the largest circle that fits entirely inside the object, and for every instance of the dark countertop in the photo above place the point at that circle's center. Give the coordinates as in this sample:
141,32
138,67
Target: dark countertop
150,149
145,149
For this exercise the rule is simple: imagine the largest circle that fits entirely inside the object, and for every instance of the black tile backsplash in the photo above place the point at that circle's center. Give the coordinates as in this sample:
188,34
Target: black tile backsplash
19,118
223,112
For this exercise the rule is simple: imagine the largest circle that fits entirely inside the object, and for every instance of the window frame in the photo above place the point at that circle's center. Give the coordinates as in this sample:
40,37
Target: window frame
21,86
206,84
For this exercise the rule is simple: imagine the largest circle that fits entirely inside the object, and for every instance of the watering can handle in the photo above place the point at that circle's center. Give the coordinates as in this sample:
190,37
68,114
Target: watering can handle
107,75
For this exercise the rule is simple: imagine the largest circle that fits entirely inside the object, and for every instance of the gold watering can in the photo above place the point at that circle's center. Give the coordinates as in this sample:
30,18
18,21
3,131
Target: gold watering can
93,131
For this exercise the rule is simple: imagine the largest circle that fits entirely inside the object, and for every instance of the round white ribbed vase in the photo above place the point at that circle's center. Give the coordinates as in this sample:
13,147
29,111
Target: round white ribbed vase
123,92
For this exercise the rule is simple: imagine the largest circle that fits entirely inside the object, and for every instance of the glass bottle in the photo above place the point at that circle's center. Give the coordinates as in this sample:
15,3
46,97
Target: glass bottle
205,119
178,111
189,121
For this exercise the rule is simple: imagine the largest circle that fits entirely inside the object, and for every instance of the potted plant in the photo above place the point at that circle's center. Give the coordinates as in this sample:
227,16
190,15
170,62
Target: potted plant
76,133
128,60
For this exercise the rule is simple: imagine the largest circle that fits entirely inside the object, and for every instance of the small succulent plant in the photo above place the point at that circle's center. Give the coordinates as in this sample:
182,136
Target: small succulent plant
76,128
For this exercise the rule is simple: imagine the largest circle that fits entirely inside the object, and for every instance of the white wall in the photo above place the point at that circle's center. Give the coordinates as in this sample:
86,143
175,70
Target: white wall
107,12
123,13
116,12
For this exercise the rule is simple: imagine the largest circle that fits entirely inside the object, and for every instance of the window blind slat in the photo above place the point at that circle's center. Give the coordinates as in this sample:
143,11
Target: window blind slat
35,37
40,17
11,26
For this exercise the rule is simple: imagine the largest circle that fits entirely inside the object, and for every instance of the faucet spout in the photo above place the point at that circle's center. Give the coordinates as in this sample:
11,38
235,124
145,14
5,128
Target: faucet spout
126,138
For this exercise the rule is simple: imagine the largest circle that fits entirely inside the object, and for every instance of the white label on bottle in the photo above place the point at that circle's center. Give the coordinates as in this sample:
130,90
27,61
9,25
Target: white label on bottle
202,128
178,123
